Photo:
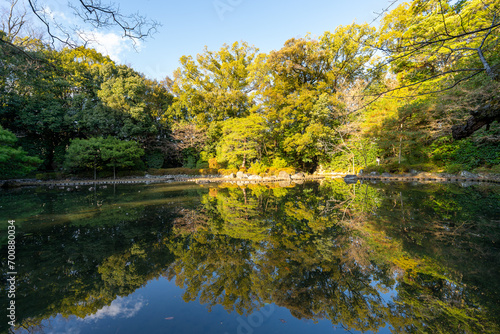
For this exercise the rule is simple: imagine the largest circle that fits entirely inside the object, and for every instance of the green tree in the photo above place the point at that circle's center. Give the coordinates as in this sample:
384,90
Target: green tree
302,86
85,153
98,152
116,153
434,46
215,86
14,162
242,140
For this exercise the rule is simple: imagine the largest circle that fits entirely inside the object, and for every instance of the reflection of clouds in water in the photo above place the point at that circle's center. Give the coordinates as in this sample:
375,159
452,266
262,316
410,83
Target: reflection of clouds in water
68,328
120,307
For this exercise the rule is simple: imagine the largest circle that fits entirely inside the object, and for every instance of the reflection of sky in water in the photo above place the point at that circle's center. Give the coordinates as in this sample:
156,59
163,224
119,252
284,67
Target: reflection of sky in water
120,307
129,250
158,308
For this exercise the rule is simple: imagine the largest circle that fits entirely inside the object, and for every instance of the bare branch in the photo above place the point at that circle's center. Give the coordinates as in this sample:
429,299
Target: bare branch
15,21
100,16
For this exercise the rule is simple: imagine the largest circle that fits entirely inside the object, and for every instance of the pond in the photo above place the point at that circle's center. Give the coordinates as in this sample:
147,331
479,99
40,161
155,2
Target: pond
318,257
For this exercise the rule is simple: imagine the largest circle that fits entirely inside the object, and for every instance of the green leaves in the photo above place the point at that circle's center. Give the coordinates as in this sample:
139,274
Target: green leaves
215,86
94,152
242,140
14,162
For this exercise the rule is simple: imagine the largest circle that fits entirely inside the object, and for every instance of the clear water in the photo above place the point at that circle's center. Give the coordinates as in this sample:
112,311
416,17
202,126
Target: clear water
314,258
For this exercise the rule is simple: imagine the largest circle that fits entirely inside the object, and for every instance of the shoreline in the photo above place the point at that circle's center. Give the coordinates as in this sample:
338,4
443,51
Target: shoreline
348,178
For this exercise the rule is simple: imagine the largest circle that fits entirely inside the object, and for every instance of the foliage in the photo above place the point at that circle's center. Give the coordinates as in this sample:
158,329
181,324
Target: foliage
174,171
213,87
242,140
99,152
14,162
223,171
257,168
116,153
278,163
155,160
212,163
339,100
465,153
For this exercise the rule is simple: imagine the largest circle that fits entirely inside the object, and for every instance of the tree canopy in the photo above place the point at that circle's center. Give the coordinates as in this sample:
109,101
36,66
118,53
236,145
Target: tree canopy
406,93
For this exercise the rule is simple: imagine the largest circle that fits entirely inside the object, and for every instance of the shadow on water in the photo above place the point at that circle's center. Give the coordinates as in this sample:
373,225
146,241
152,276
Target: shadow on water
409,258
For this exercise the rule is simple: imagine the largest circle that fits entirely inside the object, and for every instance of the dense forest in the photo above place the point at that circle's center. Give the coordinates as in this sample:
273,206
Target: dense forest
420,90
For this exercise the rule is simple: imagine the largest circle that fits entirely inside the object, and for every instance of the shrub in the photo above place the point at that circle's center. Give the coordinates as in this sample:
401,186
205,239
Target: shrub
212,163
454,168
257,168
174,171
464,152
208,171
155,160
279,163
289,170
228,171
49,176
201,164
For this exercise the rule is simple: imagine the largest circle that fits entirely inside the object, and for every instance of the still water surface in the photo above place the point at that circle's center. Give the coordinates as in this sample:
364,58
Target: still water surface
314,258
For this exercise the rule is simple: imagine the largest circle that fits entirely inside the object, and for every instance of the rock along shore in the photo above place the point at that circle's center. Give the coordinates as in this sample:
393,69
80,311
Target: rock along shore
243,179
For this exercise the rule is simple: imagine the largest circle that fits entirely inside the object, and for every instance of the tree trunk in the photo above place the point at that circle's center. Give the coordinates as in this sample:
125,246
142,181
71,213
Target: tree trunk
492,74
114,172
95,169
400,144
482,116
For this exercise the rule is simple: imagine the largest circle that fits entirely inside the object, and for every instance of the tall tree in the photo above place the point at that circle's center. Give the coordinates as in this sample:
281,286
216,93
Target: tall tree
300,92
215,86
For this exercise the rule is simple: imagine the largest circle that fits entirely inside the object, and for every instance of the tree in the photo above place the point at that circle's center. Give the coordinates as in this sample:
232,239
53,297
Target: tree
14,161
301,91
97,151
117,153
214,87
434,46
242,140
84,153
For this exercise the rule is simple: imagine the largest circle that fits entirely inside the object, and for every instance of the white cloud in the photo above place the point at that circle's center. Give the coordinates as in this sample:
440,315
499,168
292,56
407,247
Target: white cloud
110,44
120,307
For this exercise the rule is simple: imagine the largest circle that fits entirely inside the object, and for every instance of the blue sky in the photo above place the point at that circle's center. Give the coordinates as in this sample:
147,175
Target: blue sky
189,25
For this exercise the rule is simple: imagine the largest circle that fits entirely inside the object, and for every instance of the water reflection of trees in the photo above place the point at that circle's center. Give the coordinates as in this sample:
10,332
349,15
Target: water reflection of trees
336,251
324,251
79,263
